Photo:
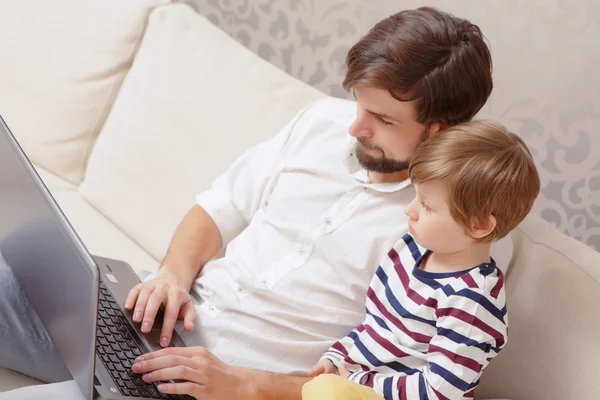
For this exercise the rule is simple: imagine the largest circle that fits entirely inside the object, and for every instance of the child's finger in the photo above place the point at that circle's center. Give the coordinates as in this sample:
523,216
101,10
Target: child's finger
316,370
343,371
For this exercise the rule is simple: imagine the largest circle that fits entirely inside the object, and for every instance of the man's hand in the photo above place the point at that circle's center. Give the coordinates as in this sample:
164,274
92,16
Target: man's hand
205,376
147,297
324,366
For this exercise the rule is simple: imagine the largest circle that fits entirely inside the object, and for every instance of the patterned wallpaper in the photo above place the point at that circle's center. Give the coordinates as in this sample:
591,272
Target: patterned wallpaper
546,55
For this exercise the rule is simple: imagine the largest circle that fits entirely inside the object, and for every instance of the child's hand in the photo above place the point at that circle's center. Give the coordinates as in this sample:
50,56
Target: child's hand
344,372
324,366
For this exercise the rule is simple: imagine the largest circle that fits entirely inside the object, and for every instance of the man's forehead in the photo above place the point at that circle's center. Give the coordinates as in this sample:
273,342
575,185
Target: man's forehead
381,102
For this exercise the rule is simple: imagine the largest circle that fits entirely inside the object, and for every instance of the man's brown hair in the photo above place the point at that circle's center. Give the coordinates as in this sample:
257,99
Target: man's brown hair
488,171
426,55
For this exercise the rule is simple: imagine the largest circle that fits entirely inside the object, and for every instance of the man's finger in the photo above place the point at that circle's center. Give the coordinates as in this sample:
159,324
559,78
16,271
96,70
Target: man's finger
142,300
188,312
159,363
188,388
169,351
169,321
154,302
182,372
132,296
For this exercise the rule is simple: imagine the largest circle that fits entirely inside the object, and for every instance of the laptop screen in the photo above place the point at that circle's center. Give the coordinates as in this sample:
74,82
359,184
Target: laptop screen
56,272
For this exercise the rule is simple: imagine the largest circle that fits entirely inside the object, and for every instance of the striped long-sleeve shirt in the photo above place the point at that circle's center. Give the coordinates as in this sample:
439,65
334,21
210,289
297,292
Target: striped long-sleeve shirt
426,335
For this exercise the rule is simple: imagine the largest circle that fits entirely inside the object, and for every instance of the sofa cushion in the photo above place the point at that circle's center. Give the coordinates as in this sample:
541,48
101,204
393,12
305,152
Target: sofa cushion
553,298
99,235
10,380
54,183
62,64
193,101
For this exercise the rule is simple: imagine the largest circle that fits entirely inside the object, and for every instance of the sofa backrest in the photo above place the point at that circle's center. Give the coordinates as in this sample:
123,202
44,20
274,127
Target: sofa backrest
62,62
193,101
553,296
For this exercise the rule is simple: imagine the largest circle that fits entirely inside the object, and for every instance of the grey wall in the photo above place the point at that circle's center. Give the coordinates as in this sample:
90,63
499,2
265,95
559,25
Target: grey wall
546,57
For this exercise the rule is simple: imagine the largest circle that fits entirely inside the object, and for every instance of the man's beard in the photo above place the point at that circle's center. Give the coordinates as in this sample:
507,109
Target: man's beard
382,164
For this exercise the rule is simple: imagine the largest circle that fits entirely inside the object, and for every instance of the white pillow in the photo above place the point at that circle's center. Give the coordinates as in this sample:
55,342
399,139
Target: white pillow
193,101
62,62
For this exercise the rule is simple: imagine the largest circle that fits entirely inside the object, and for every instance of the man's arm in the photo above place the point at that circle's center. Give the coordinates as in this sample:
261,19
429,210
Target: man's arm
195,242
270,386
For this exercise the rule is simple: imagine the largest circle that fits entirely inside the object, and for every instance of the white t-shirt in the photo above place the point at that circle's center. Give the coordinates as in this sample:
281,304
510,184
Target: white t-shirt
305,232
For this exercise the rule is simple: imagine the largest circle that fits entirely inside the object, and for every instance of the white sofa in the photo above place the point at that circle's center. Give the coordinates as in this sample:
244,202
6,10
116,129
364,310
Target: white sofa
127,111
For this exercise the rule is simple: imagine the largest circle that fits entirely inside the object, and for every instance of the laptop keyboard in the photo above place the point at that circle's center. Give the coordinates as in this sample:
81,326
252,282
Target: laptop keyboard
116,346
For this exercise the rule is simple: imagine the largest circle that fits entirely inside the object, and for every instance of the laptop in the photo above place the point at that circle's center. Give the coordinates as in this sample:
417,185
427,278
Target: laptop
79,298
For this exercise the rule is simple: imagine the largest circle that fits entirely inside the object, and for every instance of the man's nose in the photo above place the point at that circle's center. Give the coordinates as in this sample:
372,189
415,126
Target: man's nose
360,128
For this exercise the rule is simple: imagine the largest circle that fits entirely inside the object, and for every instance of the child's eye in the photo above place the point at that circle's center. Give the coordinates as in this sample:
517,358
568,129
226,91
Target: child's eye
425,206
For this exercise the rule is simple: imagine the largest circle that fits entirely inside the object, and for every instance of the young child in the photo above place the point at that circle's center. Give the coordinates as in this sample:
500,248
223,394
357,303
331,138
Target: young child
436,308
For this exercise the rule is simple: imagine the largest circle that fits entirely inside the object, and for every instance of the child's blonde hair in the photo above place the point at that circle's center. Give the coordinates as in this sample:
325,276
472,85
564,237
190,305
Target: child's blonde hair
488,171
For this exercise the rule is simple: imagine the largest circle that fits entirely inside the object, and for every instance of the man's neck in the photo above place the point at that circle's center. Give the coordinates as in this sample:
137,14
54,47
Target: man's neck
394,177
471,257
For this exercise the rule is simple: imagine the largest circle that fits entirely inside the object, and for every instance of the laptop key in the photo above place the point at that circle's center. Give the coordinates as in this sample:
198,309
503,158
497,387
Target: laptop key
103,341
126,364
108,350
136,352
130,355
114,330
115,347
130,385
126,392
143,391
115,374
120,382
124,376
105,358
114,359
119,367
153,392
138,380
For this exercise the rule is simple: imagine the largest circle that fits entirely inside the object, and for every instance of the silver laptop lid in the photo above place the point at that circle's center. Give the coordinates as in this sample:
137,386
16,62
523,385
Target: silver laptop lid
50,262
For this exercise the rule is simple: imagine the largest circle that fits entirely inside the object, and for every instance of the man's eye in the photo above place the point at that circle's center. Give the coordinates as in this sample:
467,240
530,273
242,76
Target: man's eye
385,121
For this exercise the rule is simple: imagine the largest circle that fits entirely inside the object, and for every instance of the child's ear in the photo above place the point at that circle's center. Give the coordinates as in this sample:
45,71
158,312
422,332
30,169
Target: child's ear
482,227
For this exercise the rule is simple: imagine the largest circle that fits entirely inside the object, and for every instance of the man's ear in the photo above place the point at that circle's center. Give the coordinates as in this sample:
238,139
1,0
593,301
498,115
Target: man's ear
436,128
482,227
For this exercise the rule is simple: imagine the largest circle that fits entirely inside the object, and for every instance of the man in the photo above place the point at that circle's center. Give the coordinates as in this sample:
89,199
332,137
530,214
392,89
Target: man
305,218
